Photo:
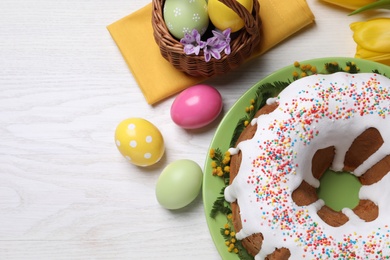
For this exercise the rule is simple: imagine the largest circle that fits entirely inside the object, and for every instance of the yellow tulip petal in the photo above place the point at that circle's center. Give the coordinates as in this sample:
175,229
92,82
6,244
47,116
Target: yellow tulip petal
350,4
373,35
362,53
367,54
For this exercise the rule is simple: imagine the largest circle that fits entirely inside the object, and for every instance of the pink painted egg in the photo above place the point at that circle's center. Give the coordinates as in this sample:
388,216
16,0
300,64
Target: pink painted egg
196,106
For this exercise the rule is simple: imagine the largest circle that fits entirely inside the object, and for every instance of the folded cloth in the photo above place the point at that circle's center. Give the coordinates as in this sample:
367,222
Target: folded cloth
158,79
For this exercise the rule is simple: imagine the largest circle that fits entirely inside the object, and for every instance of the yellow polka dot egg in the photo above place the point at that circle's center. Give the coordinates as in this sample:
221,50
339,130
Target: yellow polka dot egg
139,141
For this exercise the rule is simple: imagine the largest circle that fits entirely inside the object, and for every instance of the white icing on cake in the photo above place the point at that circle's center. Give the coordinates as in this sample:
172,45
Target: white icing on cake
314,112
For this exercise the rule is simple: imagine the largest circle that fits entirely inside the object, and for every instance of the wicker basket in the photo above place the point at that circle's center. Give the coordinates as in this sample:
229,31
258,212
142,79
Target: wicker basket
242,45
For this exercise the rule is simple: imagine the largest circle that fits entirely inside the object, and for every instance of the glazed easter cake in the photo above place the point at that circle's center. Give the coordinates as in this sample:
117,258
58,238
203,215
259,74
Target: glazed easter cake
338,121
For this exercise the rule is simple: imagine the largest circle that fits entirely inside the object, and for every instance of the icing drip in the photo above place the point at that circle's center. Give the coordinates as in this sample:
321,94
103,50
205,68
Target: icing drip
313,113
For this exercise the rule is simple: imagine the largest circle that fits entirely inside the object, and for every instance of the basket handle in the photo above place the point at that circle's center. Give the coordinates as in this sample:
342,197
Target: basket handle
250,24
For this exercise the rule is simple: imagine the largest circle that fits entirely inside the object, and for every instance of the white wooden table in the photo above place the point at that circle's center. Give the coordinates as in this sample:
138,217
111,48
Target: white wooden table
65,191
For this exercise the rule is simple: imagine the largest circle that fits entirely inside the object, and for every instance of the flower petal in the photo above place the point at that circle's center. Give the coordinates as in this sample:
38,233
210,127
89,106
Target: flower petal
362,53
215,53
350,4
218,35
189,49
227,49
373,35
226,33
197,50
207,56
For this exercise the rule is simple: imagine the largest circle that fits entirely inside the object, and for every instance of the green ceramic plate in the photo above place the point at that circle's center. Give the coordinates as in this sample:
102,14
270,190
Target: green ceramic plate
212,185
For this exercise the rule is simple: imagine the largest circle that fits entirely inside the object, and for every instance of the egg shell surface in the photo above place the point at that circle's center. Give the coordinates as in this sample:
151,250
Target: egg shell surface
182,16
179,184
197,106
139,141
223,17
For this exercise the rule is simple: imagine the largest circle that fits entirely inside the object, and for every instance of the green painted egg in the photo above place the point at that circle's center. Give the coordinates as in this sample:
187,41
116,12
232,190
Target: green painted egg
183,16
179,184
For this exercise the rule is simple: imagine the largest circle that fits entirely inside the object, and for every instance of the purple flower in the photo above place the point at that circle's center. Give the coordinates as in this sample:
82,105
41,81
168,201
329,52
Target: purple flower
192,43
211,48
216,44
224,37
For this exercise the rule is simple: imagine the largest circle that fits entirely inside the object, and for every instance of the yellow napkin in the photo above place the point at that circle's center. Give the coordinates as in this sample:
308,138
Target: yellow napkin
158,79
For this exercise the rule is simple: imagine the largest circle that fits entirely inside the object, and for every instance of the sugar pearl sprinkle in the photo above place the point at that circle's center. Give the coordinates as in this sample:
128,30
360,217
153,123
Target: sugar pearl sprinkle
274,170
